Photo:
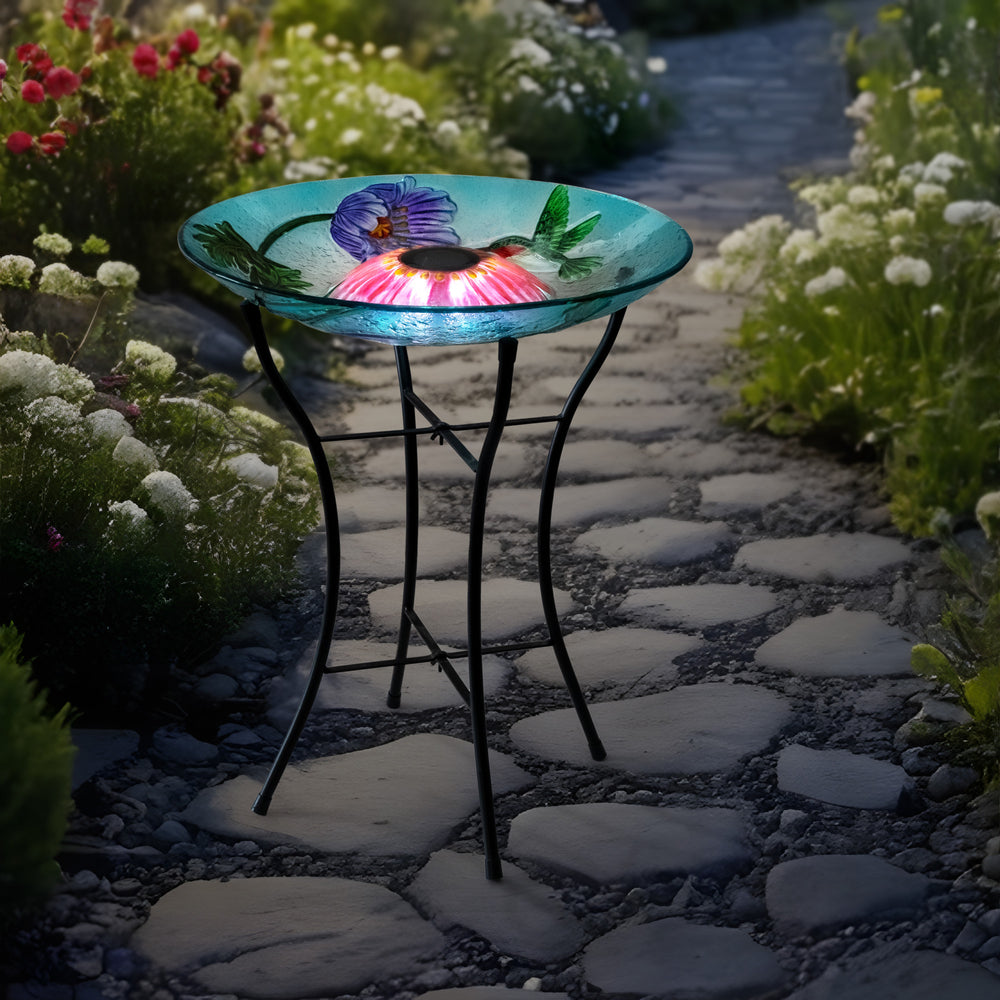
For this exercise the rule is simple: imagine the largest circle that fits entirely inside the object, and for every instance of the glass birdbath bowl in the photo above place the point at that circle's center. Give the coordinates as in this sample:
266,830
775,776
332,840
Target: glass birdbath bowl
437,260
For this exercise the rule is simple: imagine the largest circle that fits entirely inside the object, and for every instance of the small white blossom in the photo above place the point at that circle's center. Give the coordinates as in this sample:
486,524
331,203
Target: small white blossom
305,31
656,65
904,270
862,107
16,271
169,495
251,362
900,219
863,194
390,52
127,513
834,278
925,192
255,419
53,244
988,515
53,411
117,274
31,375
529,50
150,358
59,279
842,224
800,247
108,426
132,451
970,213
254,470
350,136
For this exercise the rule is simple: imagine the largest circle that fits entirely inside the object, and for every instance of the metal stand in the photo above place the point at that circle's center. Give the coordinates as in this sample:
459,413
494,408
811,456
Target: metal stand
472,693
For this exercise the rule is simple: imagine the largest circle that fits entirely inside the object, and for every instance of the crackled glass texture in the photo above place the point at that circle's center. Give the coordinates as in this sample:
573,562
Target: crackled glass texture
435,258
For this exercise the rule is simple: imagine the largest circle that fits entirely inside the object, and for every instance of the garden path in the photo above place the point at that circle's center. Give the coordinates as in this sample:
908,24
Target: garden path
741,611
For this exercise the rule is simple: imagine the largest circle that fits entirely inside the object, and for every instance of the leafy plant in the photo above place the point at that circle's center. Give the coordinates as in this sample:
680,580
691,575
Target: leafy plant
36,762
143,509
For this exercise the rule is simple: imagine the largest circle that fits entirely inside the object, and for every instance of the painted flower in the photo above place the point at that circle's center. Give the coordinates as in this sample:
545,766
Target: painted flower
146,60
441,276
394,216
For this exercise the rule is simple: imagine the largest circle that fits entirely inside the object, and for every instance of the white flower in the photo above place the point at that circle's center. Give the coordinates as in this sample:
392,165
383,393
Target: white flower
251,362
925,192
132,451
298,457
712,274
835,277
799,247
988,514
31,375
52,244
117,274
390,52
942,167
150,358
529,50
900,219
912,171
127,513
904,270
169,495
863,194
656,64
255,419
349,137
841,224
862,107
59,279
305,31
252,469
969,213
108,426
52,411
16,271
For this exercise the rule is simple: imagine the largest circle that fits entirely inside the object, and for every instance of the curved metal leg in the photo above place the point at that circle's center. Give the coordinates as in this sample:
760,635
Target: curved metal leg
251,314
477,522
588,375
412,527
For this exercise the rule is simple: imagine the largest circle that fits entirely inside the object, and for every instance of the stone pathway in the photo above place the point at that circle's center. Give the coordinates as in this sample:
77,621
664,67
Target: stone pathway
740,612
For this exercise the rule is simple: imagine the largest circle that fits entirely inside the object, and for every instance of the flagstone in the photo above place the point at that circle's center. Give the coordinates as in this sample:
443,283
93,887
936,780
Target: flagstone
674,959
840,643
659,541
403,797
424,686
840,777
613,656
606,458
645,421
821,893
516,914
286,938
608,842
510,607
702,458
490,993
616,390
699,605
886,972
378,555
846,556
440,464
581,503
689,730
360,508
744,491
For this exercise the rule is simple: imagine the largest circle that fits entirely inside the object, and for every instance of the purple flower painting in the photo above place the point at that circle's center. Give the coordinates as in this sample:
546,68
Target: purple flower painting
384,217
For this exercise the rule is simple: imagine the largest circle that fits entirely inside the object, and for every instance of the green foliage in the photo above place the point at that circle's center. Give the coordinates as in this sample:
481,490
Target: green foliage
967,658
36,763
143,510
875,325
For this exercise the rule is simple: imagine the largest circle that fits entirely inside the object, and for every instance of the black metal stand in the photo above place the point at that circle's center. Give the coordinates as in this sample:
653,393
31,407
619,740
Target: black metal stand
482,466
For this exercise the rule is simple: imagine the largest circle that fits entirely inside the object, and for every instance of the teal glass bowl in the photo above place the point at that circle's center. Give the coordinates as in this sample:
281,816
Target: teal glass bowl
291,249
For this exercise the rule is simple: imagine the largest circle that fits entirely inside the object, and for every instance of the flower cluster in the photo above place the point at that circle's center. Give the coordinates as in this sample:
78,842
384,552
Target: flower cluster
875,320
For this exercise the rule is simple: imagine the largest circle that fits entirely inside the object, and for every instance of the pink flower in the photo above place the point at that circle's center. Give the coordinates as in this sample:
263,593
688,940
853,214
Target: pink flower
52,143
77,14
441,276
32,91
29,52
188,41
19,142
61,82
55,539
146,60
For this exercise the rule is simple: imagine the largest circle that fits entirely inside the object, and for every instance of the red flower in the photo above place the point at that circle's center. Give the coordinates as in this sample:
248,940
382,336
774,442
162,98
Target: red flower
61,82
55,539
188,41
32,91
52,143
29,52
19,142
78,13
146,60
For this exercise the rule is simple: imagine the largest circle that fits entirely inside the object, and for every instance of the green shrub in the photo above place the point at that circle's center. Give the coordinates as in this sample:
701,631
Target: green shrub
875,324
36,763
143,510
